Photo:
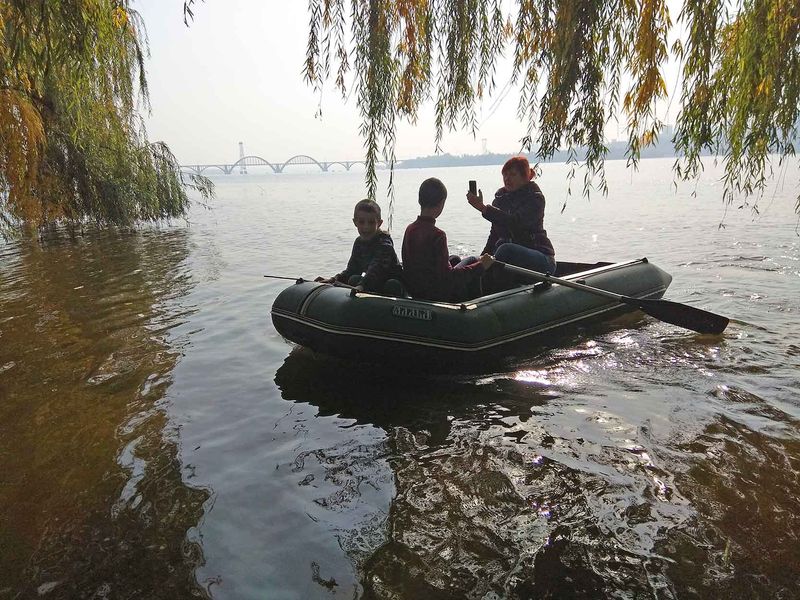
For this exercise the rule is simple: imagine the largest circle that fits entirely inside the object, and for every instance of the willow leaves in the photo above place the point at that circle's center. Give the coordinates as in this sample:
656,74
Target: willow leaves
578,64
72,145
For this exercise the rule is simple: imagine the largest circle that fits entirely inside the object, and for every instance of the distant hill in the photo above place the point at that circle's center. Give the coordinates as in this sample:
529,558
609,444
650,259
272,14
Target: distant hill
616,150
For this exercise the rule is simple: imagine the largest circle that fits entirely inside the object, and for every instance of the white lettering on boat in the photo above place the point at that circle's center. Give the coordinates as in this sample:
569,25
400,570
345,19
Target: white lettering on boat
412,312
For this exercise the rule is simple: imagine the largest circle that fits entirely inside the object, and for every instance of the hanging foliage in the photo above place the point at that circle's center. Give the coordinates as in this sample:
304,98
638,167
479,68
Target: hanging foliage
741,89
578,64
739,84
72,144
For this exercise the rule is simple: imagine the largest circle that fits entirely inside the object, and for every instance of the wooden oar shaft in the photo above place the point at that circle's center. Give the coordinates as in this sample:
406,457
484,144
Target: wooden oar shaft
301,280
282,277
564,282
678,314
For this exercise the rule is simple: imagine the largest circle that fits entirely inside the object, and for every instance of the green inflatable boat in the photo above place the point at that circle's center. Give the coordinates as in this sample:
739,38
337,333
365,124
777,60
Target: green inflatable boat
364,326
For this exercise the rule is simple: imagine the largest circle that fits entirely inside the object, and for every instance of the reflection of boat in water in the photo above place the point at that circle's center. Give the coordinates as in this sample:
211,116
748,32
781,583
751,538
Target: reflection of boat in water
420,404
390,400
478,502
334,321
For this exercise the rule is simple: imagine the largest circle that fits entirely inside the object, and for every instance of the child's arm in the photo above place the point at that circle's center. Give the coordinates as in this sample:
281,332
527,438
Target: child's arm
350,269
381,265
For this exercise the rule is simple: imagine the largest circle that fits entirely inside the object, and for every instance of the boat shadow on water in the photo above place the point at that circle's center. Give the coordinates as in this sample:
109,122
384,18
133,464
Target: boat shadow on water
497,490
391,400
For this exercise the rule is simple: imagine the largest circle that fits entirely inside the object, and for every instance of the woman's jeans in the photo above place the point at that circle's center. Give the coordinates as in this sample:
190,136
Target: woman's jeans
496,280
514,254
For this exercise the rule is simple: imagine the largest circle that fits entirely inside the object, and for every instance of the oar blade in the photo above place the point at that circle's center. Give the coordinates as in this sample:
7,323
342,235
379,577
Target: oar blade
682,315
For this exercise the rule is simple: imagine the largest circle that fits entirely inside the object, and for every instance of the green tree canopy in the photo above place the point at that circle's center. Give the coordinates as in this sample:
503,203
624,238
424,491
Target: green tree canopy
578,65
72,144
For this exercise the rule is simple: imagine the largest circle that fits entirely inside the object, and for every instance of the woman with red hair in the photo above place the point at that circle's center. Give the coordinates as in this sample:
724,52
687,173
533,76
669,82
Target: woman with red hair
517,236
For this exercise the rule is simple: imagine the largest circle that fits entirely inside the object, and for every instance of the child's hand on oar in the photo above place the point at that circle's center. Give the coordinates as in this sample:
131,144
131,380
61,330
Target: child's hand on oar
487,260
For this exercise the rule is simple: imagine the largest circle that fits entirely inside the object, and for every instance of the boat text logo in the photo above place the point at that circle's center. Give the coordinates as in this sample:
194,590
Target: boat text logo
412,312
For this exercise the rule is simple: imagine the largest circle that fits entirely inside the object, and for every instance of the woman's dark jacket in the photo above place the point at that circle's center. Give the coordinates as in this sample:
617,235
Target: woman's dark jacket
518,217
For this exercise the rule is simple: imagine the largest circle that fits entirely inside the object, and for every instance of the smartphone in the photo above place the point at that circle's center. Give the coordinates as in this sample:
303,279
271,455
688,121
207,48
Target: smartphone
473,187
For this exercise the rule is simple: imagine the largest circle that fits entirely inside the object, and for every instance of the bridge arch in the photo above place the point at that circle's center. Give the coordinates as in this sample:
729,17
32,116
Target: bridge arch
253,161
347,163
199,169
308,160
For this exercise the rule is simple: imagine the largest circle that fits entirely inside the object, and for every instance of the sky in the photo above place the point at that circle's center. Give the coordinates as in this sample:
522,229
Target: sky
235,75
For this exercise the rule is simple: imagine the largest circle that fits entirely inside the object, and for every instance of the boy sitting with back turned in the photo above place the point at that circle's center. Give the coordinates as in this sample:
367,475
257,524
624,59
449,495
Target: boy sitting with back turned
426,269
373,260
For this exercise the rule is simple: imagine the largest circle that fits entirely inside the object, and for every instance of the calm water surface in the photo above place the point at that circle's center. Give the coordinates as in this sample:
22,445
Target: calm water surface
158,438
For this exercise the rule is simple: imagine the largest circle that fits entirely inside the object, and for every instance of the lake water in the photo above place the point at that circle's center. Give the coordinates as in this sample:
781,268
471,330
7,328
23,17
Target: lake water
158,438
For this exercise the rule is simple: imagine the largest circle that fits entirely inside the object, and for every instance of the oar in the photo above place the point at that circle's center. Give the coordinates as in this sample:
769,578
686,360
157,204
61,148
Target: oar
297,279
675,313
301,280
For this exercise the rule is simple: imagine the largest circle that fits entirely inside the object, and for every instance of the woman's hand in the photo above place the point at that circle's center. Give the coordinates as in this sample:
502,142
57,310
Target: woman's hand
487,260
325,279
476,202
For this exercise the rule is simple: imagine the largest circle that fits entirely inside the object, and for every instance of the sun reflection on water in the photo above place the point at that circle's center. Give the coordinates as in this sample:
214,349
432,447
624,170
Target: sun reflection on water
530,376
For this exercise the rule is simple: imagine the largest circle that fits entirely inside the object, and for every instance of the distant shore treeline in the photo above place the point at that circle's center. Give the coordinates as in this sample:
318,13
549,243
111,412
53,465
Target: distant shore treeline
616,150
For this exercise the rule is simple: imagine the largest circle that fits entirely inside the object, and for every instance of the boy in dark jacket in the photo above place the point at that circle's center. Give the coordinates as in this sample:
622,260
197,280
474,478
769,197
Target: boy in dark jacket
427,271
373,260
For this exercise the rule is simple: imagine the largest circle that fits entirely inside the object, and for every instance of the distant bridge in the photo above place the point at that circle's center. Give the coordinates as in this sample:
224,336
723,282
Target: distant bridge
277,167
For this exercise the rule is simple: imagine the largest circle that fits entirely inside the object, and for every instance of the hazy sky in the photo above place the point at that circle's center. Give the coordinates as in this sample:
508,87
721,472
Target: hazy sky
236,75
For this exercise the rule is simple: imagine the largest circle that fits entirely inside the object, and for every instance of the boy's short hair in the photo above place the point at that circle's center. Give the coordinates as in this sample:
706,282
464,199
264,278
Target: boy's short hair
367,206
431,193
519,164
